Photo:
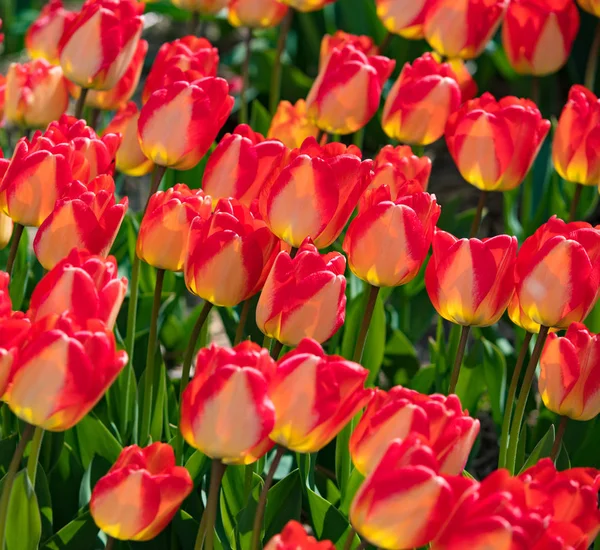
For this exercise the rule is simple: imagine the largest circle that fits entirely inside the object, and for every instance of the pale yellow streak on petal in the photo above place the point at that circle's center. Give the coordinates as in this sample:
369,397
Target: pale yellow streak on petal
478,154
396,14
225,172
120,64
457,285
448,28
49,99
46,36
549,54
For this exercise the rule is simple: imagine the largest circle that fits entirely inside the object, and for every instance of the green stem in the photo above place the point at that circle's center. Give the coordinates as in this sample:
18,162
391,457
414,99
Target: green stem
560,432
350,539
80,102
366,321
262,500
267,342
460,353
478,215
592,64
275,92
510,399
216,475
94,118
14,247
515,430
239,333
358,138
110,543
245,78
276,349
575,202
385,42
34,454
9,480
149,372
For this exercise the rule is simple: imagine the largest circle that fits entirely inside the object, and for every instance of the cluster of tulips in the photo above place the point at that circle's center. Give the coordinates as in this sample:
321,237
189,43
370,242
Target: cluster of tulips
271,217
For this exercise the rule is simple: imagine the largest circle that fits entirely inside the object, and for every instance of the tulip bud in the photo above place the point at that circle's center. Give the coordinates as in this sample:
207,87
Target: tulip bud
575,146
388,241
462,29
226,411
241,165
315,396
341,39
470,281
538,35
228,255
290,124
85,286
36,93
557,273
591,6
303,297
420,101
141,493
294,537
403,17
45,32
63,371
179,123
206,7
165,228
259,14
189,58
307,5
83,54
315,194
346,93
494,143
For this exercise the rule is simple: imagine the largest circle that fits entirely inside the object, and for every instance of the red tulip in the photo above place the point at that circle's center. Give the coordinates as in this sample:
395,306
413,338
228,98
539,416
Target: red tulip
259,14
294,537
290,124
341,39
403,17
46,31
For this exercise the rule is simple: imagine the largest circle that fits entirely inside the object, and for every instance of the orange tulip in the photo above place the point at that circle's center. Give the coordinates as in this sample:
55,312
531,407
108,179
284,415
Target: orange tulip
591,6
346,93
294,537
340,39
538,35
226,411
290,124
165,228
141,493
257,14
315,395
207,7
45,32
307,5
420,101
403,17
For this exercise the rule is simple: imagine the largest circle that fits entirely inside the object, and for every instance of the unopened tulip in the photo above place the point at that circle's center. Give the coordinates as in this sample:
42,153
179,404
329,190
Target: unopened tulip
577,138
178,124
470,281
290,124
206,7
165,228
307,5
303,297
494,143
557,273
403,17
462,28
340,39
189,58
591,6
226,411
315,395
388,241
241,165
294,537
36,93
256,14
141,493
315,194
228,255
45,32
438,419
63,371
86,217
84,56
346,93
538,35
420,101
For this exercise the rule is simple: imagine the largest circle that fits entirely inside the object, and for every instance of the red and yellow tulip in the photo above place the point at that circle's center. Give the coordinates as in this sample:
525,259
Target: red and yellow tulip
256,14
290,124
46,31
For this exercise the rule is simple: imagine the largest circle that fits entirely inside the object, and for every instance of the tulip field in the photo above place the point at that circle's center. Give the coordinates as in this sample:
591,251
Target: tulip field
299,275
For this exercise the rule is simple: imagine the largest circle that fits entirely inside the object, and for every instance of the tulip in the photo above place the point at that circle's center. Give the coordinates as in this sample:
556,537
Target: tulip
290,124
241,165
207,7
403,17
6,230
36,93
83,54
188,58
86,217
307,5
467,84
179,123
538,35
259,14
420,101
303,297
228,255
63,371
165,228
577,137
494,143
84,285
591,6
141,493
439,420
346,93
315,194
38,173
388,241
470,281
341,39
462,29
520,318
315,395
45,32
226,411
294,537
557,273
2,95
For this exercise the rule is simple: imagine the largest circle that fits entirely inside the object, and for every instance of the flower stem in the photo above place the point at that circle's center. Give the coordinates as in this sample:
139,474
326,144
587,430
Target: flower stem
460,353
366,321
34,454
385,42
276,349
275,92
478,215
80,103
560,432
216,475
575,202
245,78
510,399
110,543
592,64
350,539
262,500
14,247
515,430
239,333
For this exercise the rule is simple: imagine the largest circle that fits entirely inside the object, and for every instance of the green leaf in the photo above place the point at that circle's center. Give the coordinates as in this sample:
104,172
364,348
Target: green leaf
65,480
197,465
284,503
20,273
186,528
97,468
24,524
244,524
93,438
260,119
79,534
328,523
471,386
423,380
232,500
42,490
354,483
7,449
494,373
541,450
